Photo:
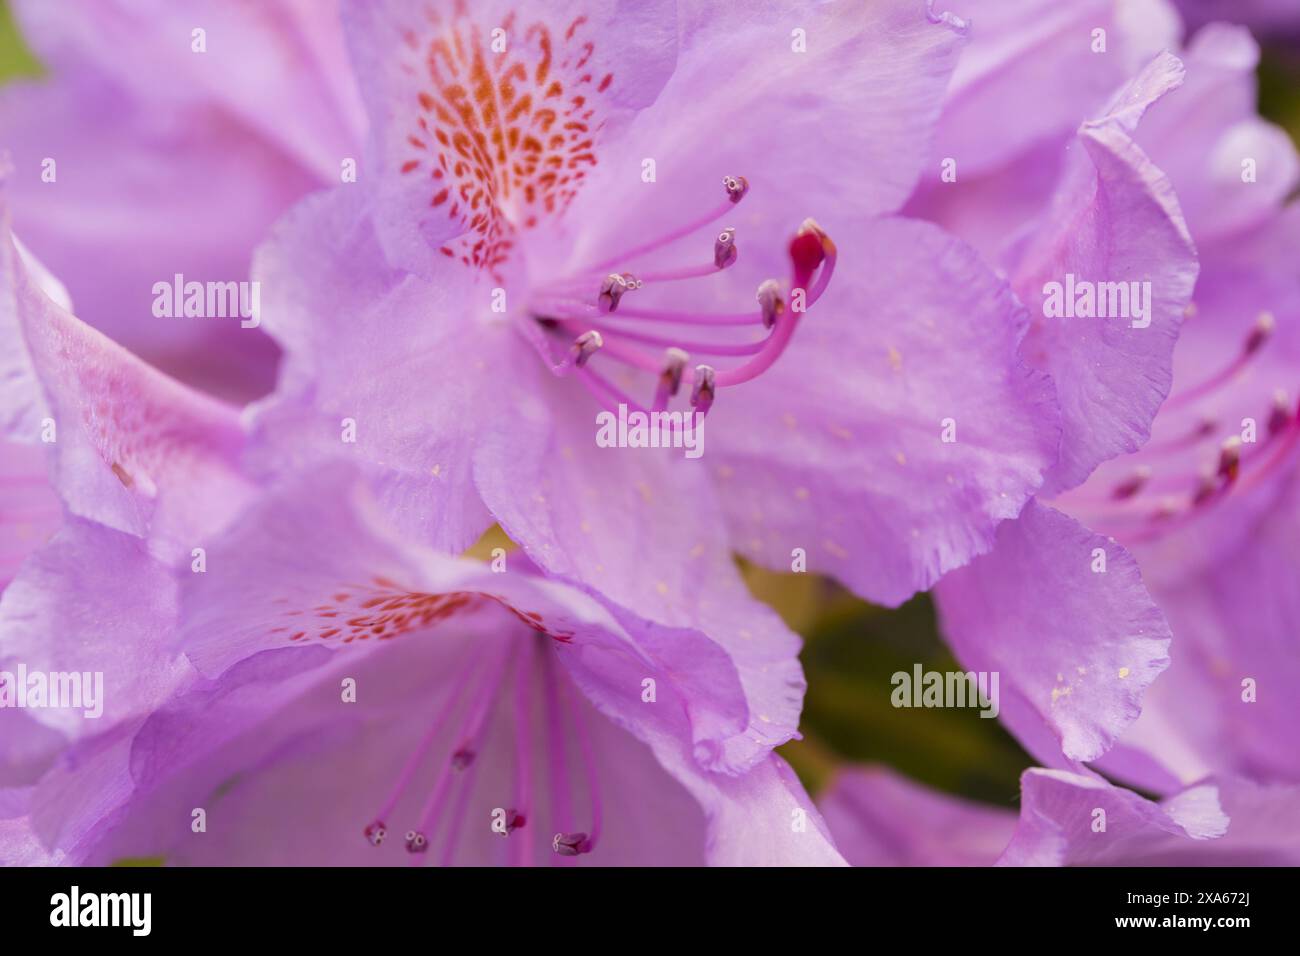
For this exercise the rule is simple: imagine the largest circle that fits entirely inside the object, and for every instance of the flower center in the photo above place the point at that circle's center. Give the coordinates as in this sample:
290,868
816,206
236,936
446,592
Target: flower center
506,133
587,313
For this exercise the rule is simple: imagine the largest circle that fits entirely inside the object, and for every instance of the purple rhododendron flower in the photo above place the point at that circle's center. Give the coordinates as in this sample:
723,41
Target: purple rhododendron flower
1205,505
590,316
1214,500
584,223
505,693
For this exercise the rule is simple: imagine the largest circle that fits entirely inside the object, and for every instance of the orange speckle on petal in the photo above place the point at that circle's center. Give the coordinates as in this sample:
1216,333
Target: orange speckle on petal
478,107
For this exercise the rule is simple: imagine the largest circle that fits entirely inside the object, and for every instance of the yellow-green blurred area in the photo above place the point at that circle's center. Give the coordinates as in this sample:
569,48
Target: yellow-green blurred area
15,58
853,648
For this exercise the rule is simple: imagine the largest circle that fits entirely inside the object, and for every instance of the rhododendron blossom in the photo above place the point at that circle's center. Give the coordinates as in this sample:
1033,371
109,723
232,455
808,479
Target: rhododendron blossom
582,433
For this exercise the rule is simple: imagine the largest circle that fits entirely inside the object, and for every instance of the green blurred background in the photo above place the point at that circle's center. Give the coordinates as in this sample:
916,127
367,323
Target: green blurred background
15,59
853,647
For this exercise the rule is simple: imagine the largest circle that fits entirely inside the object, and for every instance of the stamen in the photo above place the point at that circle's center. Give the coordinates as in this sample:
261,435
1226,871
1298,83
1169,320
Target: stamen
464,760
585,346
770,302
1227,476
457,823
1259,334
471,732
521,850
704,389
612,289
573,710
566,841
377,830
724,248
375,833
1216,482
661,315
736,187
710,348
726,252
562,709
670,379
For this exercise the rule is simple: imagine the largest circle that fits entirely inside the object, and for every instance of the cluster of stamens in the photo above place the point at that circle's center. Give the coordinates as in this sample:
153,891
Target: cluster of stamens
481,682
588,309
1233,469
